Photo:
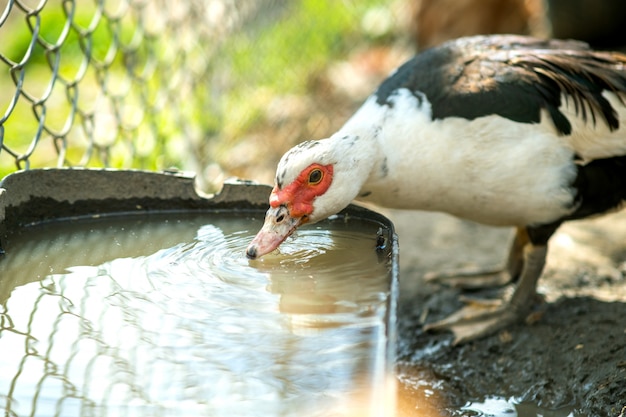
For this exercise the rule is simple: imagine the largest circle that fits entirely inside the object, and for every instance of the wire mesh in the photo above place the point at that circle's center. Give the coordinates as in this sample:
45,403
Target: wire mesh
157,83
109,83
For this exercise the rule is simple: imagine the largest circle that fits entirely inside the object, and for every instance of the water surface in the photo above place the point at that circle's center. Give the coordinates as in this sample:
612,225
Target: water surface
164,316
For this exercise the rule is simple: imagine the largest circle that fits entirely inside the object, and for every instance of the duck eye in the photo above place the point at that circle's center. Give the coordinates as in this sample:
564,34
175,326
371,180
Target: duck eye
315,176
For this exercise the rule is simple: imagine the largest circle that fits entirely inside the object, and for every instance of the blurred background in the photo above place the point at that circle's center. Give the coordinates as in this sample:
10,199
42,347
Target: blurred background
223,87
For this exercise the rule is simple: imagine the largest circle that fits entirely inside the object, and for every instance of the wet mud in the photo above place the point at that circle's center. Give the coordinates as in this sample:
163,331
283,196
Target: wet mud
569,360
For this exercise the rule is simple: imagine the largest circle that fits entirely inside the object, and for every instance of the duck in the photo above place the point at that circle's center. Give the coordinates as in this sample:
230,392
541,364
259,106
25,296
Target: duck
502,130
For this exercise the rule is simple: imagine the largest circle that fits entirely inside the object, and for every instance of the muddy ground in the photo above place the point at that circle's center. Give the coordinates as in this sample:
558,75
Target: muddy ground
571,360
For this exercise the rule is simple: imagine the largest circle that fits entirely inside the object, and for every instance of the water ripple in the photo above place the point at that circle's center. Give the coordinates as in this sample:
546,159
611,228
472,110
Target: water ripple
196,323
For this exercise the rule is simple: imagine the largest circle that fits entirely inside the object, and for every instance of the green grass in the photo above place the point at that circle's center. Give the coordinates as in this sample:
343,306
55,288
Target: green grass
280,59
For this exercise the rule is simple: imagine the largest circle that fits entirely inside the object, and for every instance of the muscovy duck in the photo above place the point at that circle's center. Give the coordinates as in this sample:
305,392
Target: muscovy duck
503,130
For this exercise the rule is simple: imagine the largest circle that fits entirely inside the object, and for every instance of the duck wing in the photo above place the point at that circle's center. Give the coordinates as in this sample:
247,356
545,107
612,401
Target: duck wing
514,77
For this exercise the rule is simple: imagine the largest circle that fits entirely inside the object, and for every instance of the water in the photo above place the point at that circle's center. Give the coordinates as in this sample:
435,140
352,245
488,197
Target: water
502,407
423,394
166,317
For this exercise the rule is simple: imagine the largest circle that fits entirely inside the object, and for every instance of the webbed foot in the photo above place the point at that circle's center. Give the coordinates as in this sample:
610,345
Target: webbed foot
482,318
477,319
467,278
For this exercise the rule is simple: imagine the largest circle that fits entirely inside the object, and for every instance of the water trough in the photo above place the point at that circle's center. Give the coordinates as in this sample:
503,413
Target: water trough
128,293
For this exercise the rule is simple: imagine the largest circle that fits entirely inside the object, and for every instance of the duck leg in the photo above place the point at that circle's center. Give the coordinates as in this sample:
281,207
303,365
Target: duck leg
481,278
479,319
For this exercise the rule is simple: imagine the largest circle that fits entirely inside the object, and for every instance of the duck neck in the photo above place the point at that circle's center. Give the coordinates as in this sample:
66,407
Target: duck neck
358,141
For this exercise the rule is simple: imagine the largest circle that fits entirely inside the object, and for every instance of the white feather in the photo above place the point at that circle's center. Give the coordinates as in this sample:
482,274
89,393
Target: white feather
490,170
595,141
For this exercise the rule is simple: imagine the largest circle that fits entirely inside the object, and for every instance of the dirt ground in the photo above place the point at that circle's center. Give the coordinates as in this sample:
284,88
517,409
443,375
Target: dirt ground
571,361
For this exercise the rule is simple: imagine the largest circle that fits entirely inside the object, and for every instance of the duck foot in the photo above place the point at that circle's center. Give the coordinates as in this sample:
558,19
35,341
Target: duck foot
470,278
478,319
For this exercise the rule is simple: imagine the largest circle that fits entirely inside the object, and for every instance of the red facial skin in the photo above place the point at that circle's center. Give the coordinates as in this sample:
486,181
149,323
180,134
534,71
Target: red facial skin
290,207
299,195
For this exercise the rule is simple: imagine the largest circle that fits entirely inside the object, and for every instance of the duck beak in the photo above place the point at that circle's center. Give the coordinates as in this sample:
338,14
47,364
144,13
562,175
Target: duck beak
278,226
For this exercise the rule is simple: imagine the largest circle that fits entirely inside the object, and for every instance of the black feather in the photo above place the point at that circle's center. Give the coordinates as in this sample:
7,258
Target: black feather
514,77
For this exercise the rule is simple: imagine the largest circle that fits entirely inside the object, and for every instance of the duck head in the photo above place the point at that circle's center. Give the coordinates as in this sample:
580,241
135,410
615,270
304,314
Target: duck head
314,180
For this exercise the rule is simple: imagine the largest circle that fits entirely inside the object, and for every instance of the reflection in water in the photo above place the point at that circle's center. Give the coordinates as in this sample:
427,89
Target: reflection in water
169,318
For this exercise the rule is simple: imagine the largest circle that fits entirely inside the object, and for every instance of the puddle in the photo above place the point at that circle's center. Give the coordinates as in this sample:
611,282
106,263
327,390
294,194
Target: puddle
502,407
422,394
162,317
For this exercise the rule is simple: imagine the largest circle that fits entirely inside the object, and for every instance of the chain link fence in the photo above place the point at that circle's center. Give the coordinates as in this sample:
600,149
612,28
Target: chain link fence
110,83
155,84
